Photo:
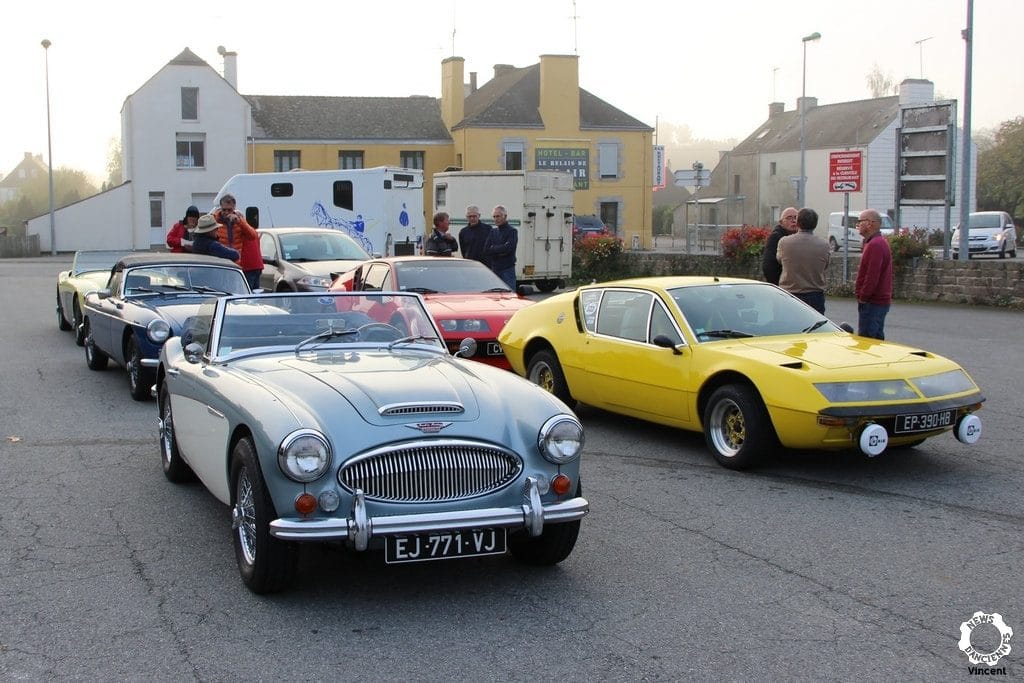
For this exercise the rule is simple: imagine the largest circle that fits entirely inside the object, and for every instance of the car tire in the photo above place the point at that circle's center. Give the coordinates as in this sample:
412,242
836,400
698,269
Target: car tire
544,370
62,323
833,244
94,358
76,317
737,427
553,545
175,469
140,378
267,564
546,286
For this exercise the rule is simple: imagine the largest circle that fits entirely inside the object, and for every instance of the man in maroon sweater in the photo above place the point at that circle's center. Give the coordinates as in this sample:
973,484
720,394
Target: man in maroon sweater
874,277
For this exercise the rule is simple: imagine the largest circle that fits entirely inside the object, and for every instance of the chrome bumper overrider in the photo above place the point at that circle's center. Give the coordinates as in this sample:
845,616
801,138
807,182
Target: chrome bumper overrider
359,528
150,362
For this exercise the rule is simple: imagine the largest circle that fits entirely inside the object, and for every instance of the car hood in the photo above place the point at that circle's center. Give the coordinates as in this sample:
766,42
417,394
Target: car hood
447,305
325,268
827,351
175,309
425,386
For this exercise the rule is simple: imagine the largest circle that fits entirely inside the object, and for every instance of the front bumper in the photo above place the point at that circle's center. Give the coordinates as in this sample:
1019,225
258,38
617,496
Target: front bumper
359,528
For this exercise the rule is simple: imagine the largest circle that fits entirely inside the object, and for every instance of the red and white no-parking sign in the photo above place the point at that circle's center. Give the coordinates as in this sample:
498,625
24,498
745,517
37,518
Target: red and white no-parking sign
844,171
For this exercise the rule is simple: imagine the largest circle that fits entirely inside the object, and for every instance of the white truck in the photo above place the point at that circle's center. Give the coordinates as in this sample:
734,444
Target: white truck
540,208
380,208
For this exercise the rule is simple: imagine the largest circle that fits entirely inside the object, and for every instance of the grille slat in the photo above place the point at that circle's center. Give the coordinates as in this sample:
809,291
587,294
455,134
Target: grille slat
430,472
404,409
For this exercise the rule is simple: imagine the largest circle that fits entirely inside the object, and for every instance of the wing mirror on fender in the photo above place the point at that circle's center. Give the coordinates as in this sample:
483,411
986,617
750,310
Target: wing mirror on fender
467,348
664,342
193,352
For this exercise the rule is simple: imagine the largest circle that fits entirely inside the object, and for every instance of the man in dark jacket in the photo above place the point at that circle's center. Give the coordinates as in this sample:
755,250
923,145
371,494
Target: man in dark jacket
500,247
770,265
473,236
205,241
441,242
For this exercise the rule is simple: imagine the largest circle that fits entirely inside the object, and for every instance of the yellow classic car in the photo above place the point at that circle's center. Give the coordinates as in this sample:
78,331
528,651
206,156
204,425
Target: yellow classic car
742,361
90,271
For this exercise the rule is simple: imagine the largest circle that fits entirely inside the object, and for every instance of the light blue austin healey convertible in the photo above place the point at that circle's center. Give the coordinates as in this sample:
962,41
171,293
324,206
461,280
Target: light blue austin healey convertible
342,417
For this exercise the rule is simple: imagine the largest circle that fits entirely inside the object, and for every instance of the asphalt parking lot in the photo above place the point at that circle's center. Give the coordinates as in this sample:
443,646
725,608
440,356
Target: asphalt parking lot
815,566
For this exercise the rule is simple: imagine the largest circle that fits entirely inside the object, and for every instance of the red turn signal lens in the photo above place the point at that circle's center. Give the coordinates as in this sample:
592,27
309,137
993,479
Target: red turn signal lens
561,484
305,504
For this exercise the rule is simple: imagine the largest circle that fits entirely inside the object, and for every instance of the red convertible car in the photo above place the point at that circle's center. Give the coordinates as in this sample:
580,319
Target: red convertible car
464,296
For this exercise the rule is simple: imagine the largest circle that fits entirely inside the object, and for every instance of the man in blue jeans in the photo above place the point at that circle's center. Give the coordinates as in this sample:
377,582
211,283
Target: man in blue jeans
500,247
874,277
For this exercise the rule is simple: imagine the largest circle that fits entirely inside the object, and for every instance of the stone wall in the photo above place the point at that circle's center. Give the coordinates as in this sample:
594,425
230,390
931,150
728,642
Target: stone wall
987,282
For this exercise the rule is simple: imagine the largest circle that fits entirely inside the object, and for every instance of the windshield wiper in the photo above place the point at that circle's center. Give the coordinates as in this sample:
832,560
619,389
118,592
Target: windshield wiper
421,290
209,290
410,338
815,326
726,334
329,333
497,289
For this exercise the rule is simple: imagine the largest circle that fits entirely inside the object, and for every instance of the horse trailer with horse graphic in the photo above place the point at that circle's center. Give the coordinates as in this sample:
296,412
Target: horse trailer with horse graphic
380,208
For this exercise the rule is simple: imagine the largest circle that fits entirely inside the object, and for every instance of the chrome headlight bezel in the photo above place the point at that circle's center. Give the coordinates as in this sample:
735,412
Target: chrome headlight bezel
304,455
869,391
560,439
158,330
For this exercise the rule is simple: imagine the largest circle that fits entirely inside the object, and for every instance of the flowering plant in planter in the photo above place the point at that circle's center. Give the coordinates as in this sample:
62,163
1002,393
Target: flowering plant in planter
744,244
908,244
594,256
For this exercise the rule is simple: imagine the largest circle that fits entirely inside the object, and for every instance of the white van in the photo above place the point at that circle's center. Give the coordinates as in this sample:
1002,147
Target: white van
380,208
837,232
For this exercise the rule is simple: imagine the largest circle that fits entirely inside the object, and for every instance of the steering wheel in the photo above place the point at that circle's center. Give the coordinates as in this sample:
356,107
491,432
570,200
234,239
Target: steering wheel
378,332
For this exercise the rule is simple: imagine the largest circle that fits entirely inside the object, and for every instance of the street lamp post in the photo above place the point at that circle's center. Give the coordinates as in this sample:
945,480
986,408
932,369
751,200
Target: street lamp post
49,147
801,186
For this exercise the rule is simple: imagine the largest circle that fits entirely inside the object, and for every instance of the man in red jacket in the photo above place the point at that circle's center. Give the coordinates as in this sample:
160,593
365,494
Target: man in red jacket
874,277
179,237
236,233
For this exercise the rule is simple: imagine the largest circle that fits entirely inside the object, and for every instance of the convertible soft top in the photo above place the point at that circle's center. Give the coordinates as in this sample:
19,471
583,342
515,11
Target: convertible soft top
171,259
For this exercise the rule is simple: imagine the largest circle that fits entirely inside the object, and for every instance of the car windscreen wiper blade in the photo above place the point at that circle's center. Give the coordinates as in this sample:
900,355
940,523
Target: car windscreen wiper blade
329,333
815,326
497,289
726,334
411,338
421,290
209,290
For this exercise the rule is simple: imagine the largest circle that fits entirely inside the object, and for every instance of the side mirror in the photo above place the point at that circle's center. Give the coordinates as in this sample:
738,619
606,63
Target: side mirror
467,348
664,342
193,352
846,327
103,293
271,261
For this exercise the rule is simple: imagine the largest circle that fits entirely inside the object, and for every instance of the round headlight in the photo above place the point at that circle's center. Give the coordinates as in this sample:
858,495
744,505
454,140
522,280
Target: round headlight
158,331
304,455
561,439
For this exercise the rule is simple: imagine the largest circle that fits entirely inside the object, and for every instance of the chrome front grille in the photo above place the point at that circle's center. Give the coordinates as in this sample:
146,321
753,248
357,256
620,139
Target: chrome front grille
430,471
421,409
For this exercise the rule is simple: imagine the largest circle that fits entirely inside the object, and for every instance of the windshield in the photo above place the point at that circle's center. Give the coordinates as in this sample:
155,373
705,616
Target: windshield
321,246
722,311
448,275
181,278
90,261
985,220
306,322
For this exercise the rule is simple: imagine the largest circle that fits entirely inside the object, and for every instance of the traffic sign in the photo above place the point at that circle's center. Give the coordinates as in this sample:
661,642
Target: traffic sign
844,171
699,178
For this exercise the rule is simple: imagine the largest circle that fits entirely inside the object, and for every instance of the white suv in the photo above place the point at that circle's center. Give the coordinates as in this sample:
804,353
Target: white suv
991,233
837,233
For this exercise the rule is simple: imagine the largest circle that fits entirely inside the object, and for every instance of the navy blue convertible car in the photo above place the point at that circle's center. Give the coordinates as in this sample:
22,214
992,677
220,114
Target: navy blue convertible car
146,301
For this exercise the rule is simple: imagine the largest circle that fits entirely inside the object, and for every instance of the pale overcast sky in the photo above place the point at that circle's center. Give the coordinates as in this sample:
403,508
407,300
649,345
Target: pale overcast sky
713,65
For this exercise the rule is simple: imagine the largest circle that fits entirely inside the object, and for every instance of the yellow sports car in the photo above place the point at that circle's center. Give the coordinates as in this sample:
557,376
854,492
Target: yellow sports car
90,271
743,362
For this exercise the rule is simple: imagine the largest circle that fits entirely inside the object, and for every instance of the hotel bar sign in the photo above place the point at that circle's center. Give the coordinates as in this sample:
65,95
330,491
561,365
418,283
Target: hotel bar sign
574,160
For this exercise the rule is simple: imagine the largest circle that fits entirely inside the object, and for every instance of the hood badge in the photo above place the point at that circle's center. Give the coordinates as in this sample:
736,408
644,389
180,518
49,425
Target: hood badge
428,427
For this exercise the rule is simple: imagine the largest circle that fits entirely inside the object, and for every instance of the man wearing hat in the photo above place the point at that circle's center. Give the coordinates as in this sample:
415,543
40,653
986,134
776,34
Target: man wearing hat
205,241
179,237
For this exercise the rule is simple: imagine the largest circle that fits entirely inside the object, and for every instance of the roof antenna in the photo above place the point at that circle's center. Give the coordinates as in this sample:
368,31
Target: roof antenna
453,27
575,44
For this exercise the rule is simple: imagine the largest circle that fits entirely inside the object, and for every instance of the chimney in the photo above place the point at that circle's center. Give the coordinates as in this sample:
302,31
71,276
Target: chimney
775,109
502,69
808,103
230,66
560,93
453,91
916,91
472,82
